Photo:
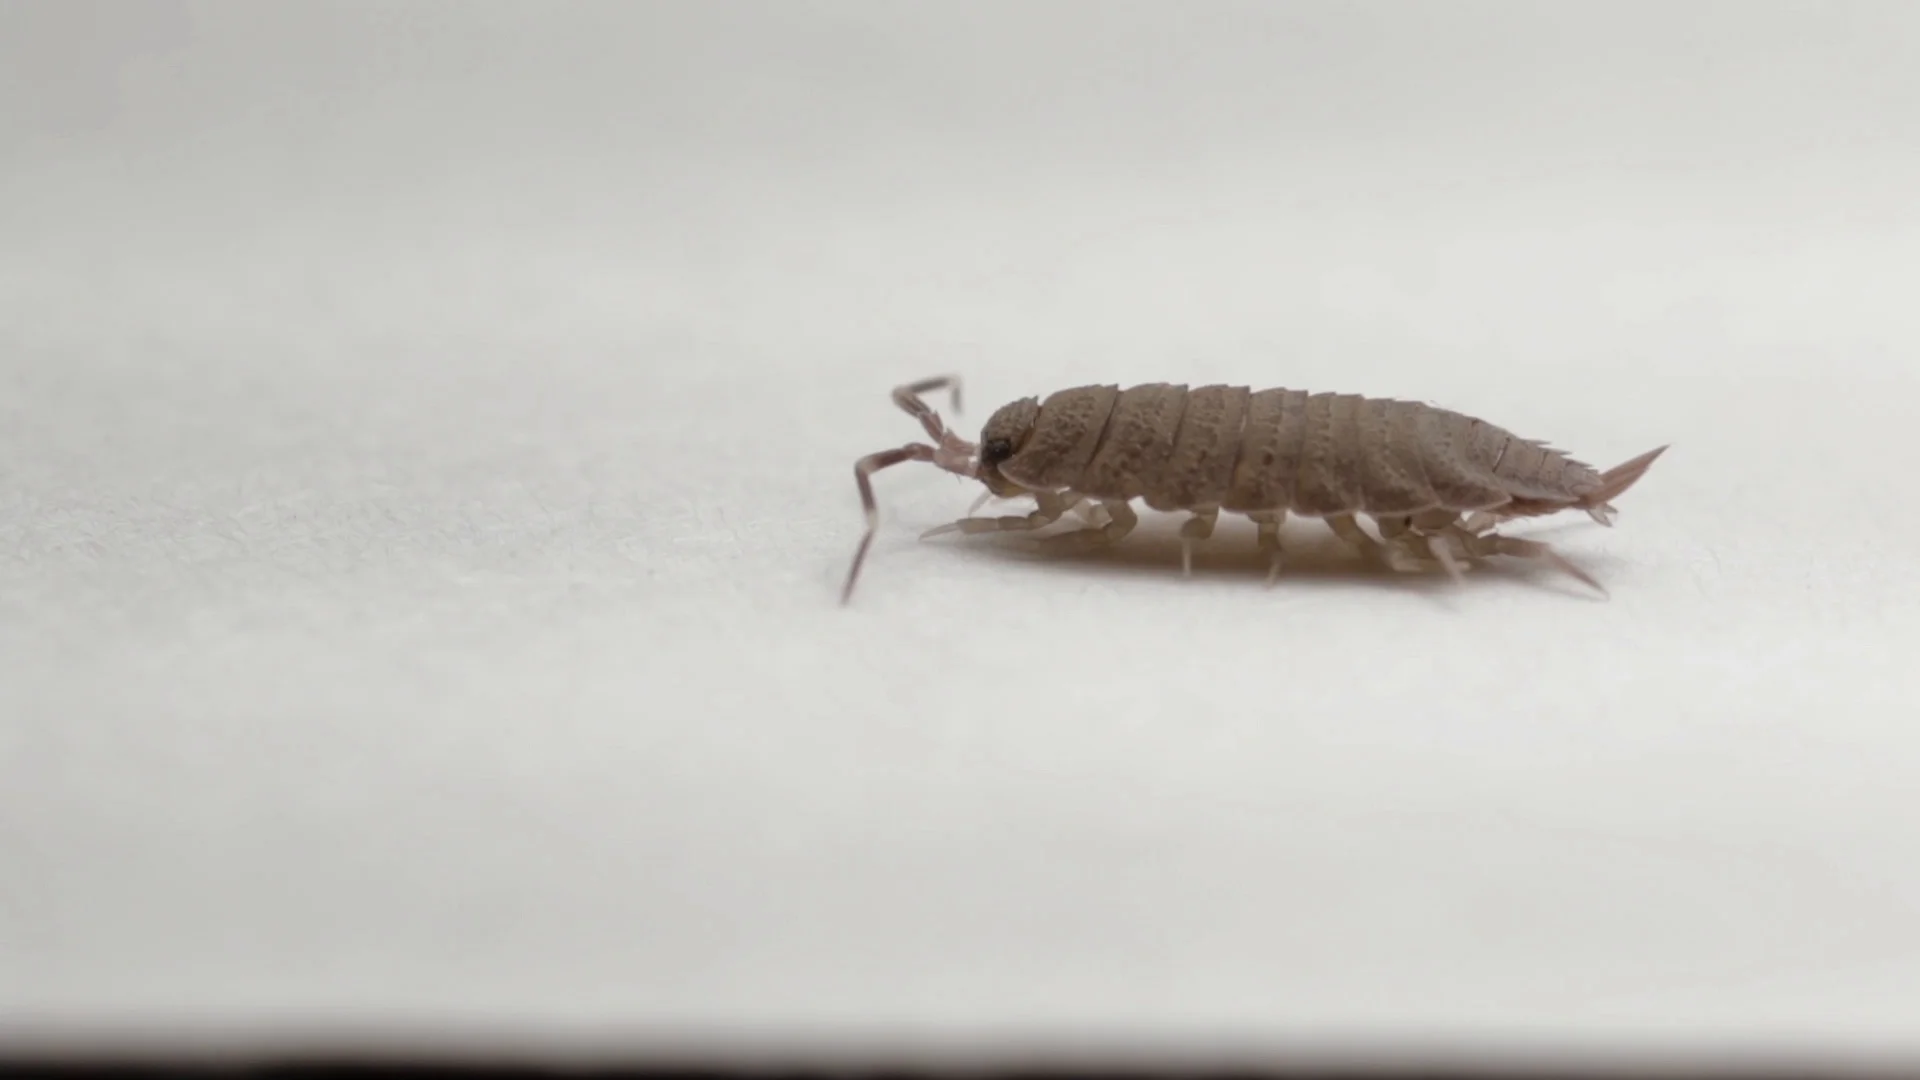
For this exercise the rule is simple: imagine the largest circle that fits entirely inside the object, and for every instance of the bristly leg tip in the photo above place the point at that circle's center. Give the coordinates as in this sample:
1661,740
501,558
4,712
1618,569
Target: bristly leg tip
1585,578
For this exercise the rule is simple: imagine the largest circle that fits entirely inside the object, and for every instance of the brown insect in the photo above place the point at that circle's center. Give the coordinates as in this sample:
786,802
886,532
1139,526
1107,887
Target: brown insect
1434,482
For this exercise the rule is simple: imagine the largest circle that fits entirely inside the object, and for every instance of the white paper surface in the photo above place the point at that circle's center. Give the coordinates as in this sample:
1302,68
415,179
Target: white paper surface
425,481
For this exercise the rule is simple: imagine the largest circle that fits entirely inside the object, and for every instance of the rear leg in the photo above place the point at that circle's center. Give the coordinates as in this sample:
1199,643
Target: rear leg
1495,544
1405,544
1441,546
1420,541
1455,544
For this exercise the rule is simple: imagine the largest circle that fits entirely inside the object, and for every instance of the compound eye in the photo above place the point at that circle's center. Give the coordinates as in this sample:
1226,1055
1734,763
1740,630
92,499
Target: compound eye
996,451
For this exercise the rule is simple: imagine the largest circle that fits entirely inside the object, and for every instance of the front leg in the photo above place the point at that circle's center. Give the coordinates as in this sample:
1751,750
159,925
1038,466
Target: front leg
1121,520
1051,506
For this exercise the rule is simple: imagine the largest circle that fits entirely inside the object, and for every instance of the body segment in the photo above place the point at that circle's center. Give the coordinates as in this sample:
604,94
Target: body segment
1433,481
1199,470
1270,451
1132,454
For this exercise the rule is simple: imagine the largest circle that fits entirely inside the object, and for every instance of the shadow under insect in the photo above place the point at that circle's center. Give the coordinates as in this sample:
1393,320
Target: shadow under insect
1314,556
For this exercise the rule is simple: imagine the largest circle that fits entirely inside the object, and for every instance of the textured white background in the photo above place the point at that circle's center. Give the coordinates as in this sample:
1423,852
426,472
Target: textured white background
425,445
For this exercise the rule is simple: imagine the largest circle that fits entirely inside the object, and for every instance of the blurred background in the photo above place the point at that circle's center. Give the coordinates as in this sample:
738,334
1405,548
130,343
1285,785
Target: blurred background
895,179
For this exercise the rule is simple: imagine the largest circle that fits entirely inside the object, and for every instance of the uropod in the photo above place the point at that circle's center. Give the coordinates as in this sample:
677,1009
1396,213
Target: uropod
1435,483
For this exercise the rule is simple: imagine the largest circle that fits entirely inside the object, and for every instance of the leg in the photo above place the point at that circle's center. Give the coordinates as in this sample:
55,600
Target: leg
1121,521
1196,528
1346,528
1051,507
1402,545
1076,504
863,471
1091,512
1269,540
1431,535
1441,545
1495,544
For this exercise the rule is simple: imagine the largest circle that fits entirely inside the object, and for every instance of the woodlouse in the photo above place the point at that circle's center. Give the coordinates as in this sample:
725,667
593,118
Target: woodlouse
1434,482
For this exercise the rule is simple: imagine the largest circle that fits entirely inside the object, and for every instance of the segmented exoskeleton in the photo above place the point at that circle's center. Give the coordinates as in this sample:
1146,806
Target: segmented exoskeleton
1434,482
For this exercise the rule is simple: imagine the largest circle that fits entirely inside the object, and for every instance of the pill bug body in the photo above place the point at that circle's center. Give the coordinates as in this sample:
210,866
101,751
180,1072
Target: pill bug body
1434,482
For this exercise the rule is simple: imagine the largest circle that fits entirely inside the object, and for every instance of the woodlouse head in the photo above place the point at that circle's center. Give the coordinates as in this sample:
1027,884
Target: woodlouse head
1006,431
